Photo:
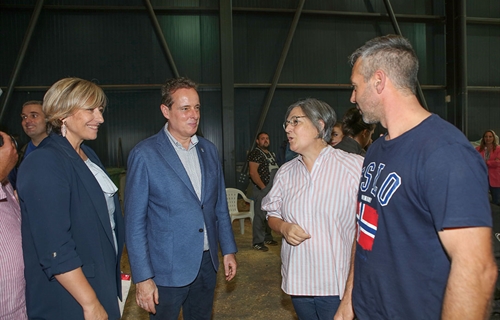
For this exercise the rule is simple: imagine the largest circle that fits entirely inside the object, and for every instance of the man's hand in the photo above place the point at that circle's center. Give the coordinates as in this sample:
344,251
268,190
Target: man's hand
146,295
345,311
230,266
293,233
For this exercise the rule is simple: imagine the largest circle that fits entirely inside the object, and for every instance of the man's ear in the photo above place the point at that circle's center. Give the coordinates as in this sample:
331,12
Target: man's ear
165,111
380,79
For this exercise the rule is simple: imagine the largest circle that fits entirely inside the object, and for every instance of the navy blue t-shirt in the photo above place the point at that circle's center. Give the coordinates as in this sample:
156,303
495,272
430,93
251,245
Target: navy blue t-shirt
412,187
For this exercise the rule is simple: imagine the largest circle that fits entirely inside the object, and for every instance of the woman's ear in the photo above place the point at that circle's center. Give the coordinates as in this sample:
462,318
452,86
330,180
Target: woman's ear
322,123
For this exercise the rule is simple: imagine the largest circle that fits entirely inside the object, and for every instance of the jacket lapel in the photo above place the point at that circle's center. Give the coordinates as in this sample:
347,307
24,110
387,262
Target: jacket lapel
201,158
90,183
168,152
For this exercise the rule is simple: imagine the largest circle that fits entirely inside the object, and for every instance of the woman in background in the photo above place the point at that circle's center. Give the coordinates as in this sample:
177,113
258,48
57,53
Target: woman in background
357,133
313,205
72,225
491,154
337,134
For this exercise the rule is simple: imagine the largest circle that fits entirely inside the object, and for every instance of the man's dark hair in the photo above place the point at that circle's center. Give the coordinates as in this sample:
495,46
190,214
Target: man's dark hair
172,86
262,132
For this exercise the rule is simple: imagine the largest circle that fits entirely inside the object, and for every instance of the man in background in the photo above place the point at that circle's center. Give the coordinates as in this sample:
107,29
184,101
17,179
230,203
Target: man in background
261,162
35,127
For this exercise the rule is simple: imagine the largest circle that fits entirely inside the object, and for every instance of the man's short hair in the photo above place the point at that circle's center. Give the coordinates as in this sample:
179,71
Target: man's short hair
394,55
37,102
260,133
172,85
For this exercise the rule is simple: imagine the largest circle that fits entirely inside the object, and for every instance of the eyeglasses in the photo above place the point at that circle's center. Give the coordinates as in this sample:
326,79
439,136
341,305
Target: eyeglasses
293,121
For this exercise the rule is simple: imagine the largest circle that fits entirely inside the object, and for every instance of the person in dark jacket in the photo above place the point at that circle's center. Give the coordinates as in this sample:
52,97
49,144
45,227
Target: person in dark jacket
72,225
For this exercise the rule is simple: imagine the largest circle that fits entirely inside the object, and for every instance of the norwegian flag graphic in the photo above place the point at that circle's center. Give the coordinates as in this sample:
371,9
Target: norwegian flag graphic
367,226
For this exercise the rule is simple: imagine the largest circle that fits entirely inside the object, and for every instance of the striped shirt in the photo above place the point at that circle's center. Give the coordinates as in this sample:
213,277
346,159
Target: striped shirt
323,203
12,284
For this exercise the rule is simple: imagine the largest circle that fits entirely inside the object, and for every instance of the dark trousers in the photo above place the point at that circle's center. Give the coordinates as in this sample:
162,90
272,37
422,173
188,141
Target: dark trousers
315,307
260,229
495,195
196,299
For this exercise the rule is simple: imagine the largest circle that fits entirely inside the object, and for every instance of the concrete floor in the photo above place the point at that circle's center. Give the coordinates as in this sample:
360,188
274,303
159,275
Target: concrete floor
255,293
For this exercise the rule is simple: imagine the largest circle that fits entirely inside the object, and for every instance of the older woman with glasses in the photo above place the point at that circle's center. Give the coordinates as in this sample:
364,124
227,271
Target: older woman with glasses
72,225
313,205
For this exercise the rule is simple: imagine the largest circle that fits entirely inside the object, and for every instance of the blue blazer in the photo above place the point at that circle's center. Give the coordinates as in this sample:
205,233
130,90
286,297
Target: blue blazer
66,225
164,219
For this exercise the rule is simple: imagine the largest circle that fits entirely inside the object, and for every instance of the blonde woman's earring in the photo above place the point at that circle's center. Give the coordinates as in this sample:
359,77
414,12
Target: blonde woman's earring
64,130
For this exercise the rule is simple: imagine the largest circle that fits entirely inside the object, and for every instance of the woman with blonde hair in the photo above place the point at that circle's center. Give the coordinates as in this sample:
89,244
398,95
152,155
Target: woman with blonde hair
488,148
72,225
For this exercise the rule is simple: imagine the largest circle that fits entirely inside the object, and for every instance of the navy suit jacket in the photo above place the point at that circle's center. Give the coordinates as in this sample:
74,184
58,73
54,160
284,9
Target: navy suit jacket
66,225
164,219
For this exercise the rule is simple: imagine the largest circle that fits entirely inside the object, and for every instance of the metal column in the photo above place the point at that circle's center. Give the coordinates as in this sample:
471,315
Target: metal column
161,37
227,90
279,68
461,68
22,53
276,77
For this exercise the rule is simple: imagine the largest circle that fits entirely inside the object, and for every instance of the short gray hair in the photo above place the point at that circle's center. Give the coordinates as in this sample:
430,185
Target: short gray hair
317,110
394,55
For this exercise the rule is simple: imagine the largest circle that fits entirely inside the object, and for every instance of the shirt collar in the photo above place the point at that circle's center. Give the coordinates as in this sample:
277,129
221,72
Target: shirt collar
3,193
177,144
326,150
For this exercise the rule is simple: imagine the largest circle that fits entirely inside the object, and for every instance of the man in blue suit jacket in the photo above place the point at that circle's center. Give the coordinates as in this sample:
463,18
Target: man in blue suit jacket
176,213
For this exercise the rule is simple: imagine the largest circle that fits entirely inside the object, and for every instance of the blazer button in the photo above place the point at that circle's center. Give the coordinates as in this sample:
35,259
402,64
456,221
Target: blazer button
201,207
201,230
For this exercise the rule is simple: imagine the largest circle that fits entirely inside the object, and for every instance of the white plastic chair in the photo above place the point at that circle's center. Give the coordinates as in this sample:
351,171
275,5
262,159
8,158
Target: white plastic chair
232,203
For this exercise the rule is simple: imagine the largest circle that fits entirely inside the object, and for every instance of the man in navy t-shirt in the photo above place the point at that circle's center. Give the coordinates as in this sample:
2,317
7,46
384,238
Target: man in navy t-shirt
35,127
423,246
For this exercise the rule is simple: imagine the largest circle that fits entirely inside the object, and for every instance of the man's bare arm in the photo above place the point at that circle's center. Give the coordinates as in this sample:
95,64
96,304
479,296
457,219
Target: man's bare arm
473,273
346,310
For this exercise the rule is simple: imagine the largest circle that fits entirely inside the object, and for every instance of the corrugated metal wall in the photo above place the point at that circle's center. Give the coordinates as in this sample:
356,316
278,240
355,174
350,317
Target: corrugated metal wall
116,46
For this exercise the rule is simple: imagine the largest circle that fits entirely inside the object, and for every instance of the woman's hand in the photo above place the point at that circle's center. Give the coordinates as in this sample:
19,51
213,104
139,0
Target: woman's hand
95,312
293,233
77,285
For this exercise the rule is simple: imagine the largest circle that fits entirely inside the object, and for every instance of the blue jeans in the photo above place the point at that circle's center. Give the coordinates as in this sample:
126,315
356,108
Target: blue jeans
315,308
